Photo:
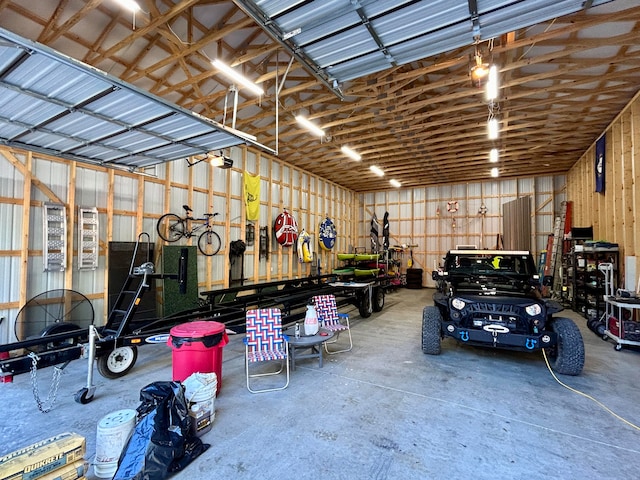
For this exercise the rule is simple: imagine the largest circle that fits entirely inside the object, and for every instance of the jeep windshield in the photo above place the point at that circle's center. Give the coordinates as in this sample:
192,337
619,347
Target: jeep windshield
491,270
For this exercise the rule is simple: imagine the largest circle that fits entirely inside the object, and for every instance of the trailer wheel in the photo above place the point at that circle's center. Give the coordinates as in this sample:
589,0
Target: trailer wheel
378,299
55,329
364,306
117,362
82,396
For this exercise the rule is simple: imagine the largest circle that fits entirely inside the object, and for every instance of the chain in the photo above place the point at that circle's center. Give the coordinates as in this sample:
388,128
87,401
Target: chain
53,388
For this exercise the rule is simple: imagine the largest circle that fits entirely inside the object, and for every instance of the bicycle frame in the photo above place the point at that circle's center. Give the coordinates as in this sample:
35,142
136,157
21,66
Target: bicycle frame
172,227
201,222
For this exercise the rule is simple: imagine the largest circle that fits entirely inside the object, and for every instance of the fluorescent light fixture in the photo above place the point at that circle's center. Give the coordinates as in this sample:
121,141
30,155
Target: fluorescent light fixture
492,83
492,129
376,170
395,183
494,172
310,126
129,4
350,153
493,155
236,77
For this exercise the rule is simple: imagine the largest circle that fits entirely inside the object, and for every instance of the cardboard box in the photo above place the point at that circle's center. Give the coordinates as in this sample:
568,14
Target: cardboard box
40,459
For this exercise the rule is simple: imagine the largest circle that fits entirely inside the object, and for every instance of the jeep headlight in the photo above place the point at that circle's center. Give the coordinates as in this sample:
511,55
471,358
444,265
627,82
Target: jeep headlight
457,304
533,310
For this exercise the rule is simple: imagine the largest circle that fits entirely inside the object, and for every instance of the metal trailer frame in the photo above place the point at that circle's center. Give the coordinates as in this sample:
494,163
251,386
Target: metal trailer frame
114,345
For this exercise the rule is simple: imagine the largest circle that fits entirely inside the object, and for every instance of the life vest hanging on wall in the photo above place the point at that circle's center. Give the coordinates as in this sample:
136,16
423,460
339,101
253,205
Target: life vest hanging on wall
285,228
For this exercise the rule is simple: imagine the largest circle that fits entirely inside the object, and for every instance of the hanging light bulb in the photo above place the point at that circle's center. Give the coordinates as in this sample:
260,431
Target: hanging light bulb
493,155
494,172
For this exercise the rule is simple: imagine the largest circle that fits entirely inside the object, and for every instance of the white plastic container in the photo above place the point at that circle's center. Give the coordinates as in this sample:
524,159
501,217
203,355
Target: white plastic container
112,435
200,393
311,325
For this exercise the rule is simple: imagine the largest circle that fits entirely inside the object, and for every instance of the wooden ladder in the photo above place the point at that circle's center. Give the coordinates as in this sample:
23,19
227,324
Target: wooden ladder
556,252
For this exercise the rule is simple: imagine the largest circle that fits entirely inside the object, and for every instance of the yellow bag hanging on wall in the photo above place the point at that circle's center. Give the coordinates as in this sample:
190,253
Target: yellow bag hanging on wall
252,195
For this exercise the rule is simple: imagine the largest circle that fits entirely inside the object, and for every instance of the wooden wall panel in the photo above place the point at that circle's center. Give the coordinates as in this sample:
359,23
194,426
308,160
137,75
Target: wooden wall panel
613,213
129,203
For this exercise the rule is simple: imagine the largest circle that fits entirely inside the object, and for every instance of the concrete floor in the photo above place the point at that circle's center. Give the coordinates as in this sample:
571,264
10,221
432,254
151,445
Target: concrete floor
382,411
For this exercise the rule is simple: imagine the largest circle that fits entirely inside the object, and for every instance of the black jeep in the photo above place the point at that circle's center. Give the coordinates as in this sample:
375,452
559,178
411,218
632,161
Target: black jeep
493,298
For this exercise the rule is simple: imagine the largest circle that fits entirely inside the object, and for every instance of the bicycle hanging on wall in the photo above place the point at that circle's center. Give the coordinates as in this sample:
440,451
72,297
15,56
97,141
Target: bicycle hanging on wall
172,227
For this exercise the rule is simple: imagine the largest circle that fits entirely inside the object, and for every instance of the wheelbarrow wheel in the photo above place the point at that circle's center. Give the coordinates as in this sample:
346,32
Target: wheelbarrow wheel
117,362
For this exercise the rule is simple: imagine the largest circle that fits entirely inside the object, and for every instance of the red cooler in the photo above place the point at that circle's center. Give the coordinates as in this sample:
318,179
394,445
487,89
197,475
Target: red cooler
197,347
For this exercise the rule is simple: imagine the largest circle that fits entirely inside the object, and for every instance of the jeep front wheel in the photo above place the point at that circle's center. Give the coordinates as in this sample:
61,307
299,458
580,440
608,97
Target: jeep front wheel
431,328
567,356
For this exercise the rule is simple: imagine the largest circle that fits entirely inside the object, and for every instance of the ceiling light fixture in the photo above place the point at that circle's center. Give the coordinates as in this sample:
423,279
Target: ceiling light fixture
494,155
310,126
395,183
130,5
492,83
492,128
494,172
479,69
237,77
350,153
378,171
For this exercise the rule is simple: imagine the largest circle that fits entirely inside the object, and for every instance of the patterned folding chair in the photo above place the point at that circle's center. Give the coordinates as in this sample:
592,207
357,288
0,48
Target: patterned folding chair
265,342
330,319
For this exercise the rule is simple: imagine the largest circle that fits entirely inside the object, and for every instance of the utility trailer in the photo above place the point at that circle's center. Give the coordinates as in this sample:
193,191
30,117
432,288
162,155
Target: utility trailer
114,345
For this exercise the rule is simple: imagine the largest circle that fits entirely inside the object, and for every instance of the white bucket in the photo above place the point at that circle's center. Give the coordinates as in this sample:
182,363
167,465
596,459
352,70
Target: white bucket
200,393
112,435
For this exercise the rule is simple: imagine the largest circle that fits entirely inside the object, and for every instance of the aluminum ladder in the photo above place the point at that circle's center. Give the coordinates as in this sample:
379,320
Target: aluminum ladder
54,246
88,238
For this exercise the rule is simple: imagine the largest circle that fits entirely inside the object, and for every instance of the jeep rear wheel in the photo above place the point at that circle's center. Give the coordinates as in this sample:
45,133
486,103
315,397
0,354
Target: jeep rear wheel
431,328
567,356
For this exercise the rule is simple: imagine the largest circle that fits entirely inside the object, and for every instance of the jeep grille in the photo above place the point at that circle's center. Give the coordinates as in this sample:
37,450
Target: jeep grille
477,315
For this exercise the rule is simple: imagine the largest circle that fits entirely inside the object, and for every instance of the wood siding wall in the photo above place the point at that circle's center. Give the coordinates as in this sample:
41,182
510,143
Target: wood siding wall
614,213
129,204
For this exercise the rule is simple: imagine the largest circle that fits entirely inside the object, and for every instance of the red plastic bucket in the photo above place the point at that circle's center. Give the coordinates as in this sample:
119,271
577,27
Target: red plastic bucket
197,347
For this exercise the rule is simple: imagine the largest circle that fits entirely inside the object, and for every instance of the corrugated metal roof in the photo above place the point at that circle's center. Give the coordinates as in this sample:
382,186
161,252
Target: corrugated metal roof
54,104
348,39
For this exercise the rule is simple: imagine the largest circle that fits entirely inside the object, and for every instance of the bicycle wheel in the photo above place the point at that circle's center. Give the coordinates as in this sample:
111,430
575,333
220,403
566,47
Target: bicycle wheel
209,243
171,227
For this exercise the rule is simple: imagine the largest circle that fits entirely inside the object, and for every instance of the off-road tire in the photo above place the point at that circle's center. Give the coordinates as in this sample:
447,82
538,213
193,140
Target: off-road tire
431,330
567,357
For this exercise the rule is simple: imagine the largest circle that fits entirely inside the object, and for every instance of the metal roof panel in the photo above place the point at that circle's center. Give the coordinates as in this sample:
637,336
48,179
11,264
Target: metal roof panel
54,104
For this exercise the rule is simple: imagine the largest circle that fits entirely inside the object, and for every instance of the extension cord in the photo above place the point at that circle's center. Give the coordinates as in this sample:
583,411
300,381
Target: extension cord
600,404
